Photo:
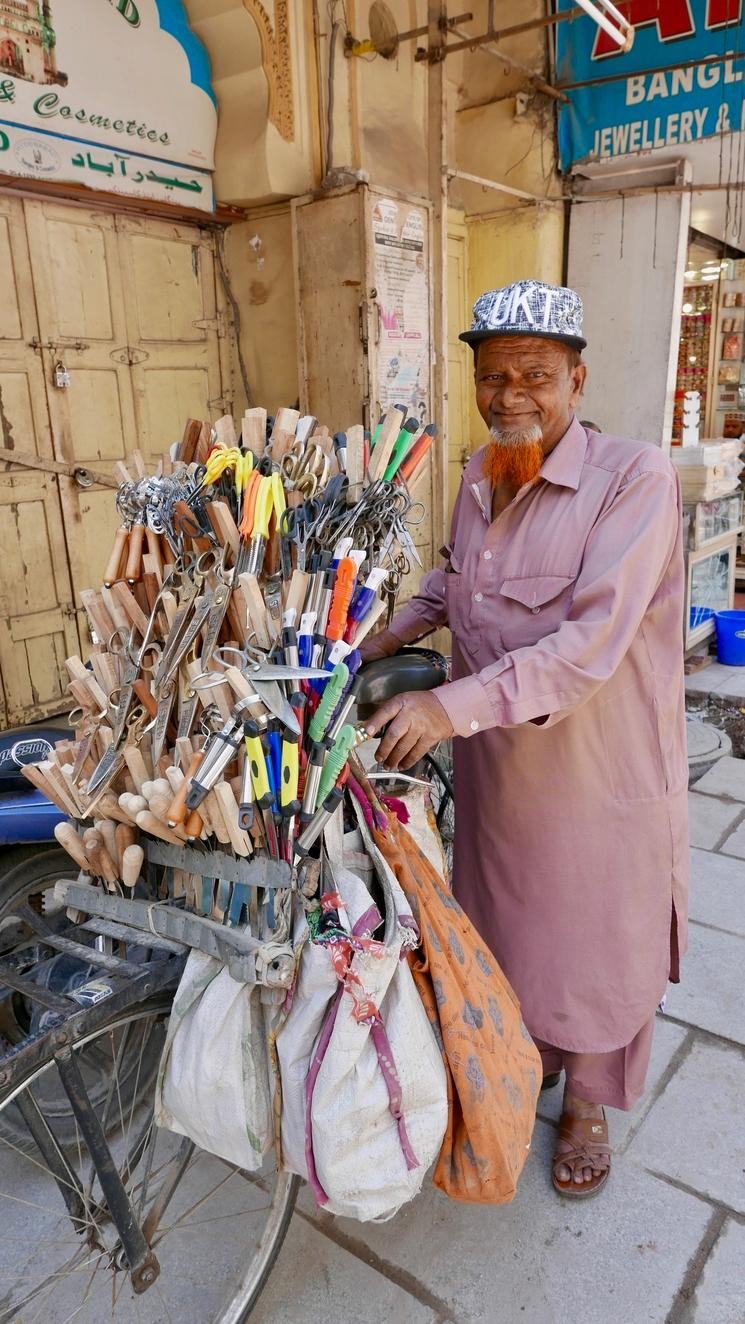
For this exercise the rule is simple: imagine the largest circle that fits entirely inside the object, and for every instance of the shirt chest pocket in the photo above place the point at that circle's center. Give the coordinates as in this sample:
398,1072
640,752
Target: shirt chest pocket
532,607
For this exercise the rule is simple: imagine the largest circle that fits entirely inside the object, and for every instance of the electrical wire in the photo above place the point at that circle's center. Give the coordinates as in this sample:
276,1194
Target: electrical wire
235,309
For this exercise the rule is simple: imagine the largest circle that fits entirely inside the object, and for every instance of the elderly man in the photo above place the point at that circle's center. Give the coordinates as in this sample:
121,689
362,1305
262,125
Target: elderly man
562,585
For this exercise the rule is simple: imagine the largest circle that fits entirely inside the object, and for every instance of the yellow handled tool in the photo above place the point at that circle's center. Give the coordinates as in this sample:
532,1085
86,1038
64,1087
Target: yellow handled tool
255,753
262,515
278,495
288,801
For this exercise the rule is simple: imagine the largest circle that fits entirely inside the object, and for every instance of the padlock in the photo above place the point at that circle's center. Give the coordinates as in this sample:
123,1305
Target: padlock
61,376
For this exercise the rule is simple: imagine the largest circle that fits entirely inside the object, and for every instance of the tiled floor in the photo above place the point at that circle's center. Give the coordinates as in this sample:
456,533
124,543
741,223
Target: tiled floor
665,1244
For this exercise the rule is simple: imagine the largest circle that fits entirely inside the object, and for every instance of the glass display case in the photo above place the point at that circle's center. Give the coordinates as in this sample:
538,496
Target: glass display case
708,520
710,587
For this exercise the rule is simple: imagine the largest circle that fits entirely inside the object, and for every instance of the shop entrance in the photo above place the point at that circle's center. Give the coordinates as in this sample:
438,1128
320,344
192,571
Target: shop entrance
711,357
112,335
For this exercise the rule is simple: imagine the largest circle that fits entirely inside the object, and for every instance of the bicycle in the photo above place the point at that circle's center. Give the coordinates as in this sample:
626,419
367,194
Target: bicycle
101,1210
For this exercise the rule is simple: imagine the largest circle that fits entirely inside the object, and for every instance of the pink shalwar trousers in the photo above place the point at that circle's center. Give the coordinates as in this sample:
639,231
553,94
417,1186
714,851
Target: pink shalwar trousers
615,1078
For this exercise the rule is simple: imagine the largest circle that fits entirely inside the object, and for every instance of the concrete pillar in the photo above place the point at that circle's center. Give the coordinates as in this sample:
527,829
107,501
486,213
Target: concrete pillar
626,259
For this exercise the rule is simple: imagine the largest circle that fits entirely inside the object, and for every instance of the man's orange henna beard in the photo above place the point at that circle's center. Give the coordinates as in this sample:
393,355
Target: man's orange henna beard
518,464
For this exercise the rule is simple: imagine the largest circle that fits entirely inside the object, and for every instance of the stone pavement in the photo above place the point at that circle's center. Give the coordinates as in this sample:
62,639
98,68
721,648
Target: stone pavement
717,679
664,1244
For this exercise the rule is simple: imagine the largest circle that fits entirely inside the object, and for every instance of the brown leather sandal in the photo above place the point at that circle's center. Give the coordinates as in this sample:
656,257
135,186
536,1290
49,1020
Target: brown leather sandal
588,1138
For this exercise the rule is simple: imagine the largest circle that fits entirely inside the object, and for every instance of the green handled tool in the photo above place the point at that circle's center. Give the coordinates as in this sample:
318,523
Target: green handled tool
335,760
403,443
331,696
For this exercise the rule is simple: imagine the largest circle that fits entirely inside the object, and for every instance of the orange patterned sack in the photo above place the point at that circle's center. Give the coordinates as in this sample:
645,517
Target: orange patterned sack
494,1069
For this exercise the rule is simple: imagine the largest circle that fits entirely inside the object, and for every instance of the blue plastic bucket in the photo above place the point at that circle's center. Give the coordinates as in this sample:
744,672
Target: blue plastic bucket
731,637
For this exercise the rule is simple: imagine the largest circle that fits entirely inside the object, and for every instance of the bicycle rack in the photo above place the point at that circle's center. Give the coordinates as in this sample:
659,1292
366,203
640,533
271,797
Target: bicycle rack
249,960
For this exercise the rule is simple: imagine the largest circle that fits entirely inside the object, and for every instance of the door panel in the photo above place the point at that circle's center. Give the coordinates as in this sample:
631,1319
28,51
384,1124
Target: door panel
37,629
96,415
165,398
80,297
170,265
10,317
173,327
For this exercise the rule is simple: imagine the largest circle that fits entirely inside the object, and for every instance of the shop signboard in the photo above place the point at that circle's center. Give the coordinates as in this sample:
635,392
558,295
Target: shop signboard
113,94
681,82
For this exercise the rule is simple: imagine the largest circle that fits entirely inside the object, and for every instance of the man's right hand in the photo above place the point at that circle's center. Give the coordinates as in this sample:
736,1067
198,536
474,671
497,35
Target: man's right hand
384,644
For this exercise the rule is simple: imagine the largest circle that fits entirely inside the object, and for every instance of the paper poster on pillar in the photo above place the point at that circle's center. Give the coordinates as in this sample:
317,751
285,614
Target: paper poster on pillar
112,94
681,82
401,267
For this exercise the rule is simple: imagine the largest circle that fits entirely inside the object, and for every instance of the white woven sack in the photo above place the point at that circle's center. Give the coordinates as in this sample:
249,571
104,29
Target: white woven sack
359,1148
316,986
214,1077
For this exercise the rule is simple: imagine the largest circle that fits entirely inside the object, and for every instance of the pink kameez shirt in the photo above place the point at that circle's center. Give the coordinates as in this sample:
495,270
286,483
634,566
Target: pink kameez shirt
567,698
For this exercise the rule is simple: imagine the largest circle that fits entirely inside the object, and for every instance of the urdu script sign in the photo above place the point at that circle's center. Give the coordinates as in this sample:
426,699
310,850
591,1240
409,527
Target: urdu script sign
682,80
113,94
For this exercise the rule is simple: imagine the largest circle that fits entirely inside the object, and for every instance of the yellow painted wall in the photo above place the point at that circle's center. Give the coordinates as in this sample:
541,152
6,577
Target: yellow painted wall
380,127
513,245
258,256
253,161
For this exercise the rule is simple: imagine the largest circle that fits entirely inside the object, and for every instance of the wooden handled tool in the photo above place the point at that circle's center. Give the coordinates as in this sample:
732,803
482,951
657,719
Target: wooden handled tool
177,811
70,841
118,557
125,835
133,569
132,862
95,849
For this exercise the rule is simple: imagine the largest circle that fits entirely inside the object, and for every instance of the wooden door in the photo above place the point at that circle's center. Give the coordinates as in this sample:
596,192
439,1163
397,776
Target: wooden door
80,297
37,617
129,306
176,329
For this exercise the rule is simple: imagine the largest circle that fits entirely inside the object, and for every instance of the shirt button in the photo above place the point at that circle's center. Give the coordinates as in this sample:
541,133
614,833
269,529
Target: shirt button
487,556
478,597
535,610
474,725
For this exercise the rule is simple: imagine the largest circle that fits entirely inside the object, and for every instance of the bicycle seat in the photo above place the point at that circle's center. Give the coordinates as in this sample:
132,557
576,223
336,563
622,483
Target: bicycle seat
411,669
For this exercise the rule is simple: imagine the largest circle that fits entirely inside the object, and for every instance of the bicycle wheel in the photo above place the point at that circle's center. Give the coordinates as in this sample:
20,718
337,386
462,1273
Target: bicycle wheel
60,1254
29,887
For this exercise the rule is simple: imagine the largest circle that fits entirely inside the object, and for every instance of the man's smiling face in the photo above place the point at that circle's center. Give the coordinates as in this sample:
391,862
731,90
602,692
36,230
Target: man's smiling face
527,387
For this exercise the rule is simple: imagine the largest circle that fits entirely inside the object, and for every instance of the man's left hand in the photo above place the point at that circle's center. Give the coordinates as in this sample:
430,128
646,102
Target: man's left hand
417,721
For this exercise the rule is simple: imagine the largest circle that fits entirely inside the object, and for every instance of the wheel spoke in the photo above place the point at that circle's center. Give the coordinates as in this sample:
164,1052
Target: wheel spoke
74,1277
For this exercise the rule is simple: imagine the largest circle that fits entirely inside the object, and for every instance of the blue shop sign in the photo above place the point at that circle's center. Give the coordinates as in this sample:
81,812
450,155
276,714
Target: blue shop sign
682,80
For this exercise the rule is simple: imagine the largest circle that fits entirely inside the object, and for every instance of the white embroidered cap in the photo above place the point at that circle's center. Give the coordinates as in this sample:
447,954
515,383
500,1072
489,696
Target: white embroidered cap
528,308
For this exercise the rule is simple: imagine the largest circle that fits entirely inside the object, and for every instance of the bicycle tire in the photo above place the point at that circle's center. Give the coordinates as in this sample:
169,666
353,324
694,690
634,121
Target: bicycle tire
255,1277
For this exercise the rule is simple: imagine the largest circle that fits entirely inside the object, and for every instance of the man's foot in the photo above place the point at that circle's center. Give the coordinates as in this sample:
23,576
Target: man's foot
581,1163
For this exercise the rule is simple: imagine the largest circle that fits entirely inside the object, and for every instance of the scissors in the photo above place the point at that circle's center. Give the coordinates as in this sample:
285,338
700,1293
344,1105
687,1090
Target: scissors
136,723
133,660
193,610
297,527
305,468
263,676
